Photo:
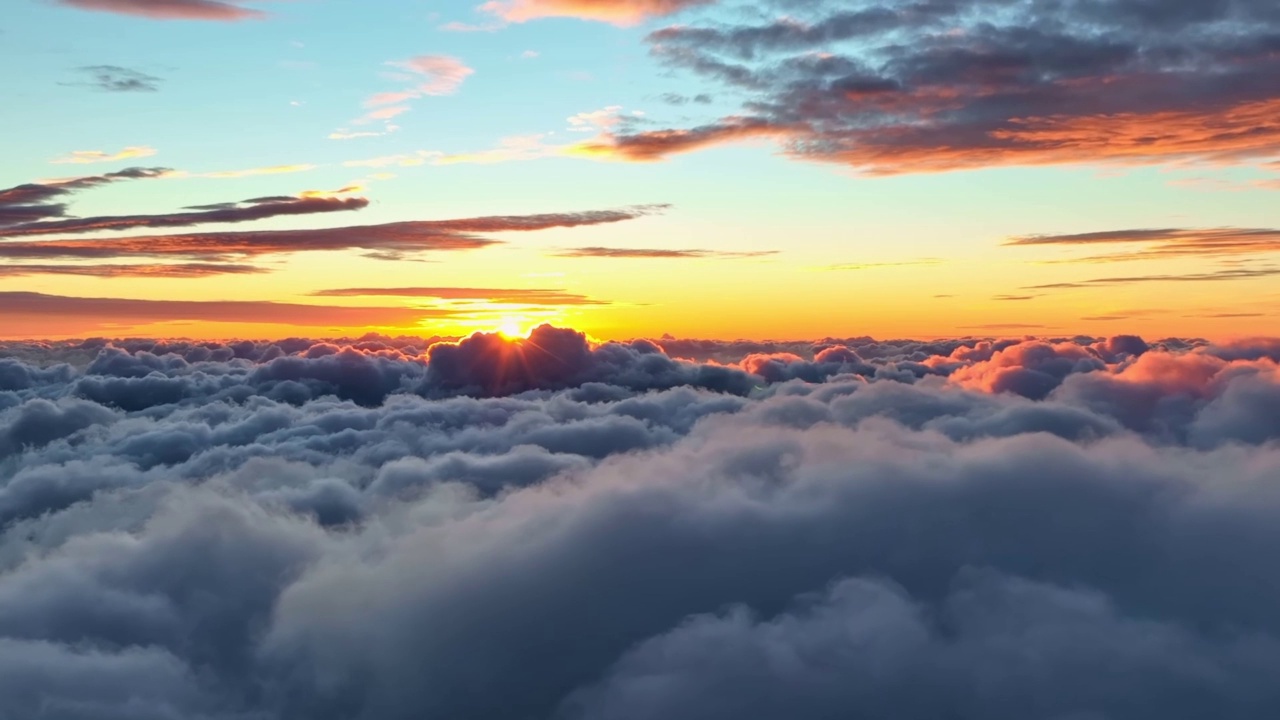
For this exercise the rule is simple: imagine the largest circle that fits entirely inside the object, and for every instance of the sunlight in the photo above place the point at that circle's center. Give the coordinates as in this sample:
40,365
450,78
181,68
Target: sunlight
514,328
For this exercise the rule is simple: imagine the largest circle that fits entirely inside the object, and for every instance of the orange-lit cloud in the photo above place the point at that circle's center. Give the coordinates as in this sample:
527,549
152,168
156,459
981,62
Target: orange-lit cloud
84,157
1166,242
170,9
391,240
618,12
660,144
496,296
891,89
26,305
176,270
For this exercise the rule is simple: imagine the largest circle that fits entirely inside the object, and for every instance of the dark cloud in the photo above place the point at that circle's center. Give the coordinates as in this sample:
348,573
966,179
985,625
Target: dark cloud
246,211
657,254
113,78
26,204
387,527
929,85
513,296
170,9
390,240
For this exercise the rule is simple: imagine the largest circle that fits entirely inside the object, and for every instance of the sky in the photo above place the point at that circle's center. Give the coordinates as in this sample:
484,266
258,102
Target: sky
634,168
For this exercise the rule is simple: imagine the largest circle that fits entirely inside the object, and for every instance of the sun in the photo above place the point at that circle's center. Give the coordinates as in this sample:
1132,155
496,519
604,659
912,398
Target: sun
513,328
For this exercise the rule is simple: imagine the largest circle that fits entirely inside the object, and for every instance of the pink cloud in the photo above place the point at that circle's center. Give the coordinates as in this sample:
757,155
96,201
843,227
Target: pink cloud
618,12
170,9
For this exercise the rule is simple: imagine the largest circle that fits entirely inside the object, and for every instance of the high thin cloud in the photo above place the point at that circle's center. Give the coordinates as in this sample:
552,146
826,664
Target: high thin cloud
84,157
504,296
330,530
100,270
1214,276
936,86
1167,242
390,240
113,78
657,254
618,12
171,9
126,312
431,75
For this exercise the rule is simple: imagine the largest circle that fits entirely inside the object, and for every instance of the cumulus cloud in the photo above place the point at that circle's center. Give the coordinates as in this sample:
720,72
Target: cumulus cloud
891,88
401,527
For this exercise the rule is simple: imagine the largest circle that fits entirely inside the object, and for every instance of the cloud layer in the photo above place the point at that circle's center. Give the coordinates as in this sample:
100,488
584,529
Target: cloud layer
412,527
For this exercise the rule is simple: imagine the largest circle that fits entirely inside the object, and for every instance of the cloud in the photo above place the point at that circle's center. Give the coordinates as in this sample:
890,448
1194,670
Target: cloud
297,528
1167,242
173,270
132,312
392,240
618,12
657,253
113,78
33,202
83,157
170,9
504,296
877,265
890,88
254,172
433,75
235,212
1215,276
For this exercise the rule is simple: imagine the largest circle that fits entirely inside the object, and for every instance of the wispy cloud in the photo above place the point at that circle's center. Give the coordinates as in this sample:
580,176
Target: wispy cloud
176,270
85,157
618,12
658,254
389,241
128,311
114,78
1165,242
428,75
170,9
1217,276
495,296
878,265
